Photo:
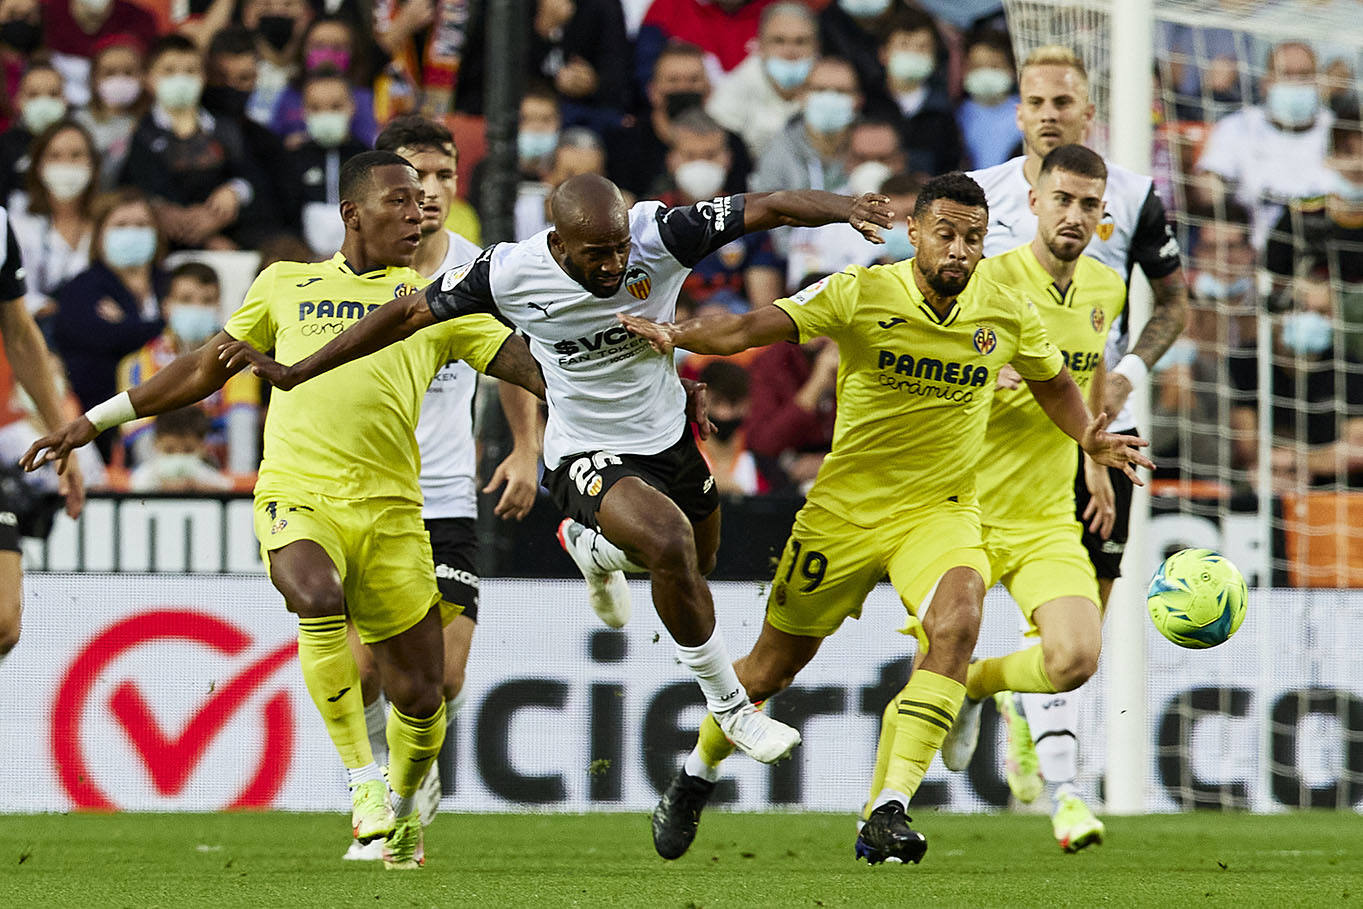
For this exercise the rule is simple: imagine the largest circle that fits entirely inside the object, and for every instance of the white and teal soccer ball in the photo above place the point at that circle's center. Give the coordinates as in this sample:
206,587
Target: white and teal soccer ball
1197,598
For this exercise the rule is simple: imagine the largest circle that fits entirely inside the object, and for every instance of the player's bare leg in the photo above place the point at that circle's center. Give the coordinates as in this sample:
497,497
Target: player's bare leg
923,712
303,572
650,527
11,600
412,665
769,667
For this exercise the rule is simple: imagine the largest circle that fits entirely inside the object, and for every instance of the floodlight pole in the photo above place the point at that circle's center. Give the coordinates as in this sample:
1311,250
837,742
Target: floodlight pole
505,55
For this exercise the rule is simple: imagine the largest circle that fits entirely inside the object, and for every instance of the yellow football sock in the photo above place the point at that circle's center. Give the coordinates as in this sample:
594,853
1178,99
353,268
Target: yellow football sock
1021,670
884,747
927,707
711,743
333,681
412,745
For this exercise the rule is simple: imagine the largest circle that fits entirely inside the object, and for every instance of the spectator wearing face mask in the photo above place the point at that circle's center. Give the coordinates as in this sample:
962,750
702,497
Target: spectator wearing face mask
1326,232
21,34
912,100
698,167
760,96
637,152
40,104
193,313
179,457
579,151
855,30
328,45
811,152
74,30
1316,396
118,99
195,166
113,307
1267,156
57,224
988,114
278,26
726,450
537,136
315,165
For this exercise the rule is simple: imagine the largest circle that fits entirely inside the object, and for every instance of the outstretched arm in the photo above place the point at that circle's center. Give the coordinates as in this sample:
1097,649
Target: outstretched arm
812,207
185,380
395,320
721,333
1064,404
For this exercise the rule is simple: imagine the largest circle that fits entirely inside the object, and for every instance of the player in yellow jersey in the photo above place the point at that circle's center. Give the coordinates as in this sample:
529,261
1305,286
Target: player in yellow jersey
1026,479
338,506
922,343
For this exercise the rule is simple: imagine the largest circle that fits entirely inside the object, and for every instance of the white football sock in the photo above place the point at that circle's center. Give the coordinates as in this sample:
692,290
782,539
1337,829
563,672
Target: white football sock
403,805
714,672
890,795
1054,720
376,727
606,555
695,766
364,774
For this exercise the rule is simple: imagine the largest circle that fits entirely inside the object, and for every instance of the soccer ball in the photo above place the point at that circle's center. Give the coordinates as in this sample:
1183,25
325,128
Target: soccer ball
1197,598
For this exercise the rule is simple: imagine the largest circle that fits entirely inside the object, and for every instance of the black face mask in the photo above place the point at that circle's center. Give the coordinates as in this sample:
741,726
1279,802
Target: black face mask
678,103
22,35
222,99
276,30
725,429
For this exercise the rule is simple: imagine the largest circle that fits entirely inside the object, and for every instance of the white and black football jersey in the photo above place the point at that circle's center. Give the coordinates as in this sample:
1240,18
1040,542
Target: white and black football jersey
444,433
607,390
1134,231
12,284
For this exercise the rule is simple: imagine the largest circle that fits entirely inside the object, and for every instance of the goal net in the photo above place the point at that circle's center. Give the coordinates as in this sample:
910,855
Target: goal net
1256,413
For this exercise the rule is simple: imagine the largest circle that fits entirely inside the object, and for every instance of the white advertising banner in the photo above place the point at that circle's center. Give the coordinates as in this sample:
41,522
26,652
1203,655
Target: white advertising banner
183,693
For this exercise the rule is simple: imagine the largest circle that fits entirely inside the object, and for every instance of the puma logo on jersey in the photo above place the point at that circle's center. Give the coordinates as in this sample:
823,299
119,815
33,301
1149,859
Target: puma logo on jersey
891,323
544,309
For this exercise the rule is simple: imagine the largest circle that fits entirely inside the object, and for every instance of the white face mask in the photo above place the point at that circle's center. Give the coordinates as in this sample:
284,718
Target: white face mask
701,179
95,7
41,112
867,177
65,180
118,91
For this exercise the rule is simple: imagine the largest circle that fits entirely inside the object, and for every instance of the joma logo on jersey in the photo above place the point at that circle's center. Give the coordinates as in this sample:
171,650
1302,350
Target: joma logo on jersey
327,309
607,338
985,340
1082,360
933,370
638,283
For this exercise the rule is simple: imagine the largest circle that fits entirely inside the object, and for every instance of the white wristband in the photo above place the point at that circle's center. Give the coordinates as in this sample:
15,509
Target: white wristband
111,413
1134,368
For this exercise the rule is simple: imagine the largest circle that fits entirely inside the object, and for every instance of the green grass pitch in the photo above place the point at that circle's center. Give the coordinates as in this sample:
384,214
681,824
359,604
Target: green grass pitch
779,860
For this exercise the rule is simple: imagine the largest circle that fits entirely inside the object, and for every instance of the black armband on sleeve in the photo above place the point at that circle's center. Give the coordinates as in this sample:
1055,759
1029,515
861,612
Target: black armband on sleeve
464,290
692,232
1153,244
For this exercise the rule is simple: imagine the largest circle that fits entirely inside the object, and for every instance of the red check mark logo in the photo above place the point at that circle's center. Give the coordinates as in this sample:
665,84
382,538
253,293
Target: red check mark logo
171,760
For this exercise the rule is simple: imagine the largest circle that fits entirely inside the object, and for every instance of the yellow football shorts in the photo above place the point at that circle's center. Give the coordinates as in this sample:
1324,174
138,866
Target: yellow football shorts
830,565
1040,563
379,547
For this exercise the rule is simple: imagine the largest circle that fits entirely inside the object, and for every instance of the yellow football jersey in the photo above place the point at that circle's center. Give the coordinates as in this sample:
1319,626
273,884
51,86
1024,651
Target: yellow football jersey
349,433
1027,472
913,390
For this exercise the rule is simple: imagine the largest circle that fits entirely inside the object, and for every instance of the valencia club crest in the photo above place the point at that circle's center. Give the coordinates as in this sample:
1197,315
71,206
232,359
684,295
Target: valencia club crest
638,283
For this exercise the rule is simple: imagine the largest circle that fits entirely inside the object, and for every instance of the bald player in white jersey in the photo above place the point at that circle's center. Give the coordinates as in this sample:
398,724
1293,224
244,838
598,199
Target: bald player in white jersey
1054,109
444,435
619,455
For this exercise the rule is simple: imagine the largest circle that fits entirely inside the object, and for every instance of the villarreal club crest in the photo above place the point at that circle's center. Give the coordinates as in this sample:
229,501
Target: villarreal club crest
985,340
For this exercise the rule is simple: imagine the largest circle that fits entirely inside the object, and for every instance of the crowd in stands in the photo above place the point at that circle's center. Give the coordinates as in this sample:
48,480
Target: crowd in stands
149,148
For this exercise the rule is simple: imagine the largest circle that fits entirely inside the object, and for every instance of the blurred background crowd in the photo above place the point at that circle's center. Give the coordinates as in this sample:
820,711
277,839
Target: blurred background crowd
155,154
